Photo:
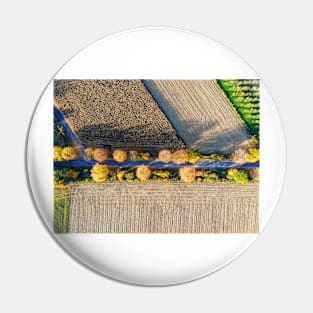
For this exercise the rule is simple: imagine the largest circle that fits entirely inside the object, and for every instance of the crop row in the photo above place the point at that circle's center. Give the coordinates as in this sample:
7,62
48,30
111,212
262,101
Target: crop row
245,97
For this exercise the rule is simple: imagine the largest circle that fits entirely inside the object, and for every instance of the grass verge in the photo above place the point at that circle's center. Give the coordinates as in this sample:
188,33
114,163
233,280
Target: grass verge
61,209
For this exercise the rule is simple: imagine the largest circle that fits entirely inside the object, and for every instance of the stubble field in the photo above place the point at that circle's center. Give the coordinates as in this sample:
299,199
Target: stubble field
201,114
165,207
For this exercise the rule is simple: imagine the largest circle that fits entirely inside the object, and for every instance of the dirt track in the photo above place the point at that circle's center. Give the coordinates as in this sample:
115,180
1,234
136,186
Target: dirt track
200,113
164,208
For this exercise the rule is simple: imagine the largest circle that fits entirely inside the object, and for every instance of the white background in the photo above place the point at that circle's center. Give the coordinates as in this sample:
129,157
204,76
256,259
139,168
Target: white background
37,37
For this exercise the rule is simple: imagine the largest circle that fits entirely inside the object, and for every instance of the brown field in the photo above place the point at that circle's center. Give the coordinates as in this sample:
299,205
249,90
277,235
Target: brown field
165,207
201,114
117,113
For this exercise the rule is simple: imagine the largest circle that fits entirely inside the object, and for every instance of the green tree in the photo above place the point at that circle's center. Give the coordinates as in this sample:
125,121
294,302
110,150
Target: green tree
237,175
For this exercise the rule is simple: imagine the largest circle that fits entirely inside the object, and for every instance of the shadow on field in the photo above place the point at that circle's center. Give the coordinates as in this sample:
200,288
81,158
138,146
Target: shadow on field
201,134
140,137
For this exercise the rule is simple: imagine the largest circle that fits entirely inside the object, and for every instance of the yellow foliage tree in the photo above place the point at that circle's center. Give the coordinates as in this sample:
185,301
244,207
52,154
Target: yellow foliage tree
101,154
100,172
165,155
253,155
143,172
180,156
120,155
57,153
187,174
69,153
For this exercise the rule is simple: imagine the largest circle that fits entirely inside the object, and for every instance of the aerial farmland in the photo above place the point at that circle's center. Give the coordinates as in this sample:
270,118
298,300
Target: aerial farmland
156,156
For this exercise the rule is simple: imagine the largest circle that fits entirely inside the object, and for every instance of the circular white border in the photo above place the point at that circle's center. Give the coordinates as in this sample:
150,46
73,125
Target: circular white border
154,259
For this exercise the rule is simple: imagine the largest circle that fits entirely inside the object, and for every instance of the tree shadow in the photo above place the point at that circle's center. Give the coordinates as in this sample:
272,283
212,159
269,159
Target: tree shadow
142,137
139,137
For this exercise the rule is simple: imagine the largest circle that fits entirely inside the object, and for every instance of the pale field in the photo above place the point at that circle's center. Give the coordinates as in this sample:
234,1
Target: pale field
164,207
201,114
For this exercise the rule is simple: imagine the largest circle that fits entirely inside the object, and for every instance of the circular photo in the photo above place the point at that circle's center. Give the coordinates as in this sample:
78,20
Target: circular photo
155,156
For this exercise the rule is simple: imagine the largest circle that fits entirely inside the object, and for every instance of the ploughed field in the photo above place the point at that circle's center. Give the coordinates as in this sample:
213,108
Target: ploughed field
201,114
117,113
164,207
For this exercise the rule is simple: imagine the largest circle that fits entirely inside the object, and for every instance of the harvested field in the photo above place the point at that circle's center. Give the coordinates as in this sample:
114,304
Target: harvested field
164,208
117,113
201,114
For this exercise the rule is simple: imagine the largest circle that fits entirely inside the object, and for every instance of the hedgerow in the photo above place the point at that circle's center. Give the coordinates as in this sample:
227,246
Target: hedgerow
99,172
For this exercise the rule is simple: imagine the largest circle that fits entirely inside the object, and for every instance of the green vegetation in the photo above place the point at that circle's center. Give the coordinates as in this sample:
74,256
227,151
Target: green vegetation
210,177
194,156
216,157
181,156
165,174
99,173
65,175
134,155
238,176
244,94
130,176
61,210
144,155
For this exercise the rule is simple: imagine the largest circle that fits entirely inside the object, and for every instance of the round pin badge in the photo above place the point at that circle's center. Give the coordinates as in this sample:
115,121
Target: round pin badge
155,156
